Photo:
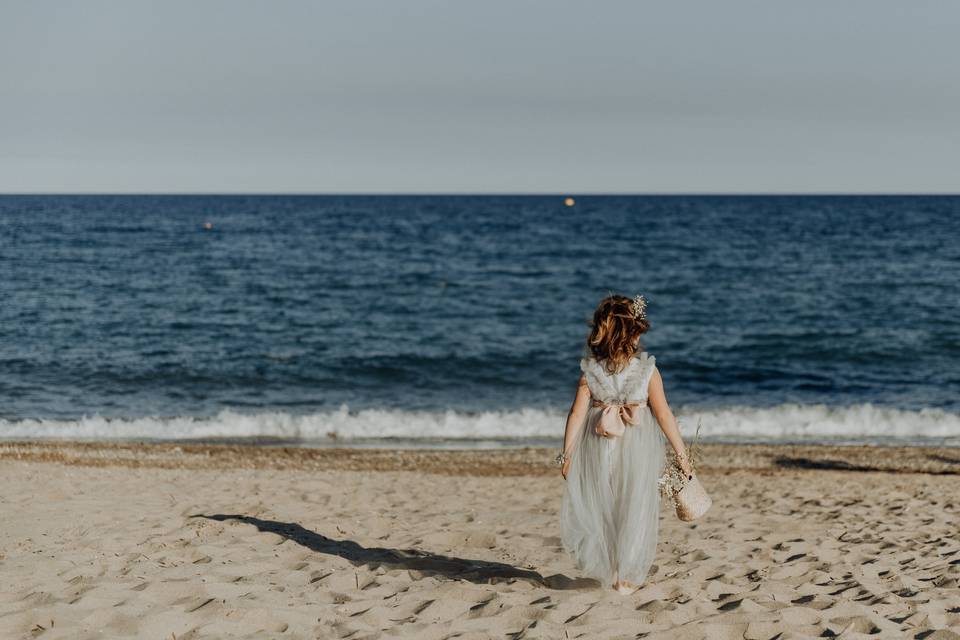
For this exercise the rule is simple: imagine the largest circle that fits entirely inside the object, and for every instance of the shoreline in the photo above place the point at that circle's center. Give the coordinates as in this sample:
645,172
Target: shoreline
519,461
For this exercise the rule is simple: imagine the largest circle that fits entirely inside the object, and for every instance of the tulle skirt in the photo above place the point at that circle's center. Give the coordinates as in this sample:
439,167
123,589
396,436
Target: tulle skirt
611,504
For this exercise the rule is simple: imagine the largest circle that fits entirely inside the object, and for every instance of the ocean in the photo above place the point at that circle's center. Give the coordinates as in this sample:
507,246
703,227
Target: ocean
459,320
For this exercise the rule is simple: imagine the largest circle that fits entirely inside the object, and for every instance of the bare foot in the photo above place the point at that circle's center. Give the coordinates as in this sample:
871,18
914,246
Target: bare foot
626,588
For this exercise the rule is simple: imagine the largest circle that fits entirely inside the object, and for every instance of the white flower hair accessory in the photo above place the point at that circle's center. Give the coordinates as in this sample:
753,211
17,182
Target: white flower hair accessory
639,307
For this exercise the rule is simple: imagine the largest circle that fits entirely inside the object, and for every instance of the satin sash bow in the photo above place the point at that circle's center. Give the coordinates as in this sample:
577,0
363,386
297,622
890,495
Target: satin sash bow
615,417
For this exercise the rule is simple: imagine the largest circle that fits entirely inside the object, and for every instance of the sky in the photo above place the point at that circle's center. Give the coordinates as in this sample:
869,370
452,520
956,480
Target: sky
492,96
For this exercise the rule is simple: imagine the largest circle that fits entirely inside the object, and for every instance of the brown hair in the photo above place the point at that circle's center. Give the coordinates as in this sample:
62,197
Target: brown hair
614,331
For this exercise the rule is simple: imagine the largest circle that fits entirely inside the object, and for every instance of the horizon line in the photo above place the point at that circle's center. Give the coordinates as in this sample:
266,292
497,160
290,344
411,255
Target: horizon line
560,194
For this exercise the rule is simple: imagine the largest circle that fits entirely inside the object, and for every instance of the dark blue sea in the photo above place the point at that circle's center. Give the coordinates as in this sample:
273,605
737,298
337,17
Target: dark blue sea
460,319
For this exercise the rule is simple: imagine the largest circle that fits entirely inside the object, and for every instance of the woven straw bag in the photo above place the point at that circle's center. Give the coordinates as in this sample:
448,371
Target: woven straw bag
691,500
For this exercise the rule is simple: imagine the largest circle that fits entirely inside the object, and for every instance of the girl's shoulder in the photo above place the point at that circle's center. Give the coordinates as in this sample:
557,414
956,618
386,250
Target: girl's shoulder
643,364
647,358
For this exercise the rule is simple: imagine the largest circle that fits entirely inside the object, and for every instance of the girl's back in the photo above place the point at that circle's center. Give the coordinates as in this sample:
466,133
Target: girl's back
628,385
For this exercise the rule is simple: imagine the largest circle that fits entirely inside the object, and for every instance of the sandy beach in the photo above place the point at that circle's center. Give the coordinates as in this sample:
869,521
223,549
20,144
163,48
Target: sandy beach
200,541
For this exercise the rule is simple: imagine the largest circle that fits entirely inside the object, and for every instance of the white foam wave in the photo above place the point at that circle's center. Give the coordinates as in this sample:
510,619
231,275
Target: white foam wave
791,422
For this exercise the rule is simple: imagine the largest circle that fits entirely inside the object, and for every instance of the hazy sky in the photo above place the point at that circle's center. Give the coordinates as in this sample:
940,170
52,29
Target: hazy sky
480,96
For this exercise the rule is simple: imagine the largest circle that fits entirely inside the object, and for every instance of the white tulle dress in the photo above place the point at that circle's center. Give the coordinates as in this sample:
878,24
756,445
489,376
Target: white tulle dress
610,508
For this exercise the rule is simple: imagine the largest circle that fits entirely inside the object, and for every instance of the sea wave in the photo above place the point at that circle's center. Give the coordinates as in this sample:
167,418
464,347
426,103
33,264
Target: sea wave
864,423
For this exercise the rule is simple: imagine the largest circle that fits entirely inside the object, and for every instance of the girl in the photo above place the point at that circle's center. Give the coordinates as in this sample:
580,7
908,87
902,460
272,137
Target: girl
613,452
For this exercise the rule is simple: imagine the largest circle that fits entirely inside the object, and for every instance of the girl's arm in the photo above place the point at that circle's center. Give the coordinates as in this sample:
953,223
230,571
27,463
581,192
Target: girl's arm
668,423
575,418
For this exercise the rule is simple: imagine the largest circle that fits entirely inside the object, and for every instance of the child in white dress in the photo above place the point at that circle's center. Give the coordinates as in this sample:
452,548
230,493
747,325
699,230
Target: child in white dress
613,450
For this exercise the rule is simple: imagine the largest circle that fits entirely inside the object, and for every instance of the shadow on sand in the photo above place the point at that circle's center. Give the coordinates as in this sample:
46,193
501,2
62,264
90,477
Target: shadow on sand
428,564
842,465
944,459
810,463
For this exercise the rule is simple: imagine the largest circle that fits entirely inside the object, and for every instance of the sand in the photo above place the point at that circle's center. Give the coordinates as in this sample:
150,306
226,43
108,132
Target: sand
198,541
